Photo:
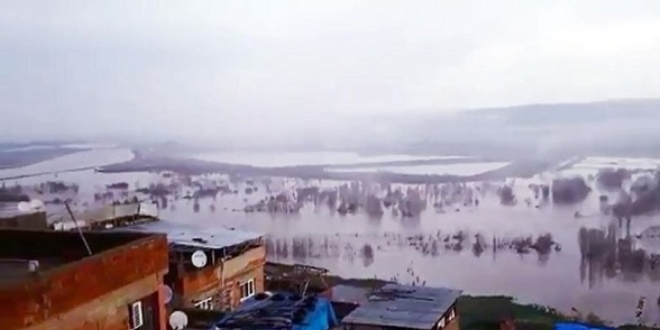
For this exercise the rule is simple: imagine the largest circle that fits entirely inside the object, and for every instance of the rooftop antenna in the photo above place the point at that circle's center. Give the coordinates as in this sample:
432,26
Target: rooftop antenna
75,223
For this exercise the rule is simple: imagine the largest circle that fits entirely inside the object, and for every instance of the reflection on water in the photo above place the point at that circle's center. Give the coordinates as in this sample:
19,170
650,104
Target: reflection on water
607,254
458,236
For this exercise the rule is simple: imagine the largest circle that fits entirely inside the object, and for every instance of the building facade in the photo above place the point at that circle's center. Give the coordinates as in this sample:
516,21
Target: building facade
50,280
210,268
31,221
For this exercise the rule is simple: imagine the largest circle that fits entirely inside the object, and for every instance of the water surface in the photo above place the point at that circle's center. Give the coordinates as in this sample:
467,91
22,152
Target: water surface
562,279
264,159
465,169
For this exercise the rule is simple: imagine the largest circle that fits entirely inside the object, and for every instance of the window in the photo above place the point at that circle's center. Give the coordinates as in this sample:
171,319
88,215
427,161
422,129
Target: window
206,304
247,289
135,319
442,323
452,314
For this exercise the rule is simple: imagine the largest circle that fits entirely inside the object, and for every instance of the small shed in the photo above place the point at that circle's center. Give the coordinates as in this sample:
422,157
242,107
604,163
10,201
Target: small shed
406,307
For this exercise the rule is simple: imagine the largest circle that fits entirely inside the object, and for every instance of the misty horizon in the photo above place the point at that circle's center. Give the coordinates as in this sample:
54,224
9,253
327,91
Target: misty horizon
241,74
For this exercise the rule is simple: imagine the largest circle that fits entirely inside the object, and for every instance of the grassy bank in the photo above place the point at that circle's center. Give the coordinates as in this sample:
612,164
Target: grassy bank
480,312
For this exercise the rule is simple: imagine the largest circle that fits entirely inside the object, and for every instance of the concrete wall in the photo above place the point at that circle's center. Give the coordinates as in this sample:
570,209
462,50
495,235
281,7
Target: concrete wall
86,290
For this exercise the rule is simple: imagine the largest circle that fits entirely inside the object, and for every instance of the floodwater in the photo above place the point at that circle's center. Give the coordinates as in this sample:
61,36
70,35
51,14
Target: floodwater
561,279
624,163
466,169
79,160
306,158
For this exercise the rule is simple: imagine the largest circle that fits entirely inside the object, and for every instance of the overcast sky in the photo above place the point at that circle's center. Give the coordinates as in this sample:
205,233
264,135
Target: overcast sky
211,68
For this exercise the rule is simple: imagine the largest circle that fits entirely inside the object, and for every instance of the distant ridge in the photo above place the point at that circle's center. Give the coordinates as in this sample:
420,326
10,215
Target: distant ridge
574,113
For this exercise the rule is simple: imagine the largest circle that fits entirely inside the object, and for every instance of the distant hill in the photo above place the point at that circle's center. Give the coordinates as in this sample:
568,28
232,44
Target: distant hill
574,113
608,127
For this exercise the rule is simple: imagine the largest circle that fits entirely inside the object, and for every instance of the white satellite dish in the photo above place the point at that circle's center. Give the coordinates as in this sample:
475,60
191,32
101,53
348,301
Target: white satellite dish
24,207
178,320
199,259
37,204
168,293
31,206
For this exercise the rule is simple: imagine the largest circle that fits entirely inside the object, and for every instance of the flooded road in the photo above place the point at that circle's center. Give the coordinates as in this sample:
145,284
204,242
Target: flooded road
413,249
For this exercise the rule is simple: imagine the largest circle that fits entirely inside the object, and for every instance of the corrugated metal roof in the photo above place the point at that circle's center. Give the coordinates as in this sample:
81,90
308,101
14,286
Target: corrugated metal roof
404,306
195,236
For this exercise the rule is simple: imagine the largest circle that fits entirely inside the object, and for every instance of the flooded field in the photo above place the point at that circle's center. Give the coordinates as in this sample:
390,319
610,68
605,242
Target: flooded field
456,235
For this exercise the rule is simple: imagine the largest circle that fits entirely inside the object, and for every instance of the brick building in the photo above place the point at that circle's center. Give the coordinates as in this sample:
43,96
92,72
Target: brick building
406,307
229,269
49,280
17,220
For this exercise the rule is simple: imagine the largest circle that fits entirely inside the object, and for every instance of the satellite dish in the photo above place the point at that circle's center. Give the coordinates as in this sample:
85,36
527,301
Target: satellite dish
31,206
24,207
178,320
36,204
168,293
199,259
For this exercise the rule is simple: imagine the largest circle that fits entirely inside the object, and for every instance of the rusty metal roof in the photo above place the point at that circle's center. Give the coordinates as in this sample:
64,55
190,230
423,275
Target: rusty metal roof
404,306
186,235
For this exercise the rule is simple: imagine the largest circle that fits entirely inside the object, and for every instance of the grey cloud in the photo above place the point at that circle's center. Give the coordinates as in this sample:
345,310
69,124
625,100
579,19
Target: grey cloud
231,70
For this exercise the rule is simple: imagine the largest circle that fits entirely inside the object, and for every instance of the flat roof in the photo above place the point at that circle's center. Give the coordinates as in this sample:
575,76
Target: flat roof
48,250
404,306
195,236
13,269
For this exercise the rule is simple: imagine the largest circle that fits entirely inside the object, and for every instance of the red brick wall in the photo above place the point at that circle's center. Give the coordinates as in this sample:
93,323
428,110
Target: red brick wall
53,293
198,281
208,281
108,312
454,324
